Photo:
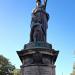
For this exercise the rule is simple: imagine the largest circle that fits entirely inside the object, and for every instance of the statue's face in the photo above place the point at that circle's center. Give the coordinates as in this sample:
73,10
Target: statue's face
38,0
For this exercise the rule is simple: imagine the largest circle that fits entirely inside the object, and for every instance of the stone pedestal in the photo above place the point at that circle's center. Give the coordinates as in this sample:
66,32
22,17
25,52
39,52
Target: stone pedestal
38,59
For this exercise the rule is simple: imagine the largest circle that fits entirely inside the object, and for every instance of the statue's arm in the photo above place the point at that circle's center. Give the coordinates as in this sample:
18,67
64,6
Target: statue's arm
45,3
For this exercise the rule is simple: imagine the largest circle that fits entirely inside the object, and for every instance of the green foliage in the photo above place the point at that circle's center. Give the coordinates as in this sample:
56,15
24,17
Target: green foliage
16,72
3,60
5,66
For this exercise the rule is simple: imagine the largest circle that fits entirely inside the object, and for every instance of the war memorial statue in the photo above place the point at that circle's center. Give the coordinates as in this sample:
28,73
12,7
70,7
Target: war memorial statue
38,57
39,22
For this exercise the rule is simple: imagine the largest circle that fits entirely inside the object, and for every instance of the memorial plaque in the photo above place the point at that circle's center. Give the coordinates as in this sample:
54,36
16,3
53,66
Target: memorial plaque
38,70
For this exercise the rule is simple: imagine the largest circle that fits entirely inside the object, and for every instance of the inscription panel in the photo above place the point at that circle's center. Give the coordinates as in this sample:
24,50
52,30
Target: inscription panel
39,70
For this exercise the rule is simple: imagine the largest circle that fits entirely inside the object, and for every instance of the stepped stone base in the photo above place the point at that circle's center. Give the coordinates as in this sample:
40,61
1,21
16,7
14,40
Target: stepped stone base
39,44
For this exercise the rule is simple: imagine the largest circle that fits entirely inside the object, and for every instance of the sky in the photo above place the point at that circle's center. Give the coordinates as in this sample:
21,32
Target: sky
15,19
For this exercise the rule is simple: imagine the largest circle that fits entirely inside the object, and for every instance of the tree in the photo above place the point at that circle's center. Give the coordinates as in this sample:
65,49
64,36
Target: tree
16,72
6,67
